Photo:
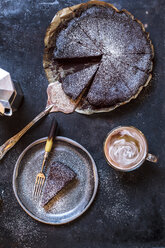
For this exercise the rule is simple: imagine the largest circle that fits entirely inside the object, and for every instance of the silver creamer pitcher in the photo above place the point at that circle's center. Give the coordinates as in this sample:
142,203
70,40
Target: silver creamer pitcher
10,97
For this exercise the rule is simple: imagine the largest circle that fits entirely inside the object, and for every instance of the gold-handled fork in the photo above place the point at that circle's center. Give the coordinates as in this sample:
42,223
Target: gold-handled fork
40,178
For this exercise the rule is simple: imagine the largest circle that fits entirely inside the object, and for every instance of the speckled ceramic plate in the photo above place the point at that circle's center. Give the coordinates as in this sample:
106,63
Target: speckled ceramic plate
72,201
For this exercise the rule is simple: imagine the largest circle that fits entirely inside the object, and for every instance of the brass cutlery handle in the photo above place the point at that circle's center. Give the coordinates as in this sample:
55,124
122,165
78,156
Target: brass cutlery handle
13,140
49,141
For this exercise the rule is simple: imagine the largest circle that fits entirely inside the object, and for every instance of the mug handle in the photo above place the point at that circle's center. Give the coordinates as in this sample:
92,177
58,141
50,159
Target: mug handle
152,158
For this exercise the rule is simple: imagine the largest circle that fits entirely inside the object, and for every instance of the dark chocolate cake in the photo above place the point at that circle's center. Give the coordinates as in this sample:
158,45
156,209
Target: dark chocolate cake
75,83
71,43
123,49
59,176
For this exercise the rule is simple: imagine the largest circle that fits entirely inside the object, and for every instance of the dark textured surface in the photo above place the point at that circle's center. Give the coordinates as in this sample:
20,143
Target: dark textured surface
129,208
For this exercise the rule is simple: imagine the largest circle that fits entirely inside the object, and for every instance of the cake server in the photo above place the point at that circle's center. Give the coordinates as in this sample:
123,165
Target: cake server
40,178
13,140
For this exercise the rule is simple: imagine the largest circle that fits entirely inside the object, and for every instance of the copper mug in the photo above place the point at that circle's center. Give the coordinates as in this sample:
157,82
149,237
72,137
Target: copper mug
126,149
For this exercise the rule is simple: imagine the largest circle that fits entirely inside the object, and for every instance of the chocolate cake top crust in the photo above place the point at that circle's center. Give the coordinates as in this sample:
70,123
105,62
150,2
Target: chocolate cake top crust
98,29
59,176
139,61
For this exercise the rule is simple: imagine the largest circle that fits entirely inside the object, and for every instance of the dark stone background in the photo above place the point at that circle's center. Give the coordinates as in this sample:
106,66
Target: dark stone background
129,208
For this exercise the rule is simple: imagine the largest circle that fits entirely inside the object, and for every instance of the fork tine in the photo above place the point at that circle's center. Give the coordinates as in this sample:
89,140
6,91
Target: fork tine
41,186
36,187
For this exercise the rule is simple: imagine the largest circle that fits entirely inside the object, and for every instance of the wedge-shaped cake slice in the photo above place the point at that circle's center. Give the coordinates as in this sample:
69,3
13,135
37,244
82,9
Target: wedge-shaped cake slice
73,42
75,83
74,50
108,87
59,176
89,22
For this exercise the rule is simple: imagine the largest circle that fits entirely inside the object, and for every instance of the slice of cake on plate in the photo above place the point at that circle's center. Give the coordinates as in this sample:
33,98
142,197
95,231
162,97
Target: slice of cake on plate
58,177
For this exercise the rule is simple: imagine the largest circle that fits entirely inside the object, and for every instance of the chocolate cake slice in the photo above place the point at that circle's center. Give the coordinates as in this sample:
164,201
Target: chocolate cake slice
58,178
75,83
89,22
108,87
74,50
72,42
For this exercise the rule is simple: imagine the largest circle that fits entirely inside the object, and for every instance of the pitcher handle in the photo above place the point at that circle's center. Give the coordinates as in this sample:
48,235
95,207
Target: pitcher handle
152,158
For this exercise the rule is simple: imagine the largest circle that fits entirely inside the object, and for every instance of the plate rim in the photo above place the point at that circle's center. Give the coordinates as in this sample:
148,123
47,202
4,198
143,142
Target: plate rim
41,140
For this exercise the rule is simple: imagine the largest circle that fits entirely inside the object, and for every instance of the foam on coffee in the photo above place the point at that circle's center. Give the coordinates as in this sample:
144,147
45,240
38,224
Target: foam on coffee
125,148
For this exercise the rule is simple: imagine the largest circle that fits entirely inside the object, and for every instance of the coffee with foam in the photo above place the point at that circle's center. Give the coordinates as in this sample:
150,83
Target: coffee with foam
125,148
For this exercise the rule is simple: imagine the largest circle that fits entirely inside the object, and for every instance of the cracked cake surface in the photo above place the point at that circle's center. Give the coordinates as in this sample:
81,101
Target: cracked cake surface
124,57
